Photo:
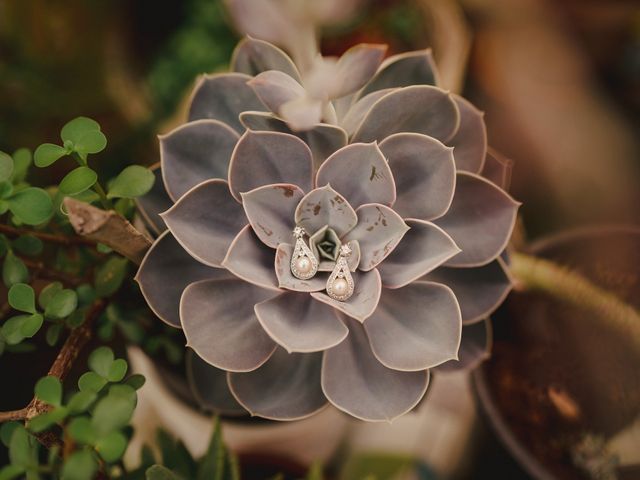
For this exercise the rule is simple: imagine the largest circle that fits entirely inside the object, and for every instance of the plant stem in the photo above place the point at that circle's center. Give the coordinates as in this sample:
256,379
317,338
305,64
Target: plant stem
109,228
570,286
106,203
47,237
61,366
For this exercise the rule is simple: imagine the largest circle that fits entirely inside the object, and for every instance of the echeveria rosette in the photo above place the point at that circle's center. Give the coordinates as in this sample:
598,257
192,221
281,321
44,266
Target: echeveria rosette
426,229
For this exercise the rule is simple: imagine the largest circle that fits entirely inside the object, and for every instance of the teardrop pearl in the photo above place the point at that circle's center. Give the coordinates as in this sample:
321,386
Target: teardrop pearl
303,265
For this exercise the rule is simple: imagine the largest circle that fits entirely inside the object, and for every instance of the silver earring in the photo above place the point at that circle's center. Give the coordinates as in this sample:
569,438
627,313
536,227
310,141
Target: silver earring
304,263
340,283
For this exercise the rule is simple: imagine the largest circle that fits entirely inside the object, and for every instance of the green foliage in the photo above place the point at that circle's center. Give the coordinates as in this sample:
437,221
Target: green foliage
62,304
110,275
22,297
133,181
158,472
6,167
81,465
14,270
176,462
48,153
28,245
54,284
49,390
32,206
77,181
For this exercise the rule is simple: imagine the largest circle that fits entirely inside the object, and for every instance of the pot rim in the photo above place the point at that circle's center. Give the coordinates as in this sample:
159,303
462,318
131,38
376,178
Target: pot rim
529,462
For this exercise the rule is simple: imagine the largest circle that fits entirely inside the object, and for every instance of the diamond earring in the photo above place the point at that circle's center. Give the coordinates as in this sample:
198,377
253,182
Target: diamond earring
340,283
304,263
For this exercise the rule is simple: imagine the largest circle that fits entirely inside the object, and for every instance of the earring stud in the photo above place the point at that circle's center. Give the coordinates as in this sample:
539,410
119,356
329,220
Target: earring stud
340,284
304,264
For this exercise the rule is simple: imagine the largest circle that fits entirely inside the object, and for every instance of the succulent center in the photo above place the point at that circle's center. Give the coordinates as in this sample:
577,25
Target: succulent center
325,243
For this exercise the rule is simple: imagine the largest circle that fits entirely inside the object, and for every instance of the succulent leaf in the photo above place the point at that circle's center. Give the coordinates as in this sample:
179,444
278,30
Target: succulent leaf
263,158
205,221
223,97
249,259
270,210
418,109
166,270
220,325
470,141
357,383
360,173
479,290
324,206
286,387
480,229
424,247
424,172
195,152
415,327
298,323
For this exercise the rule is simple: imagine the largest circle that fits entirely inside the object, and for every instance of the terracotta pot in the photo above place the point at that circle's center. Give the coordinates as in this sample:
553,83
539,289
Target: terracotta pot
301,442
557,373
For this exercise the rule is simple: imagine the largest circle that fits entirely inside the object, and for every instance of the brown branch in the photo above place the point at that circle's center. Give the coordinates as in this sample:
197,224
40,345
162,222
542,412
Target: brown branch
61,366
107,227
47,237
43,271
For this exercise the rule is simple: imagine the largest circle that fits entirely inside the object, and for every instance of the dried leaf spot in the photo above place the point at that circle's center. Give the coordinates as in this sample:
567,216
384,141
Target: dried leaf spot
287,191
265,230
316,209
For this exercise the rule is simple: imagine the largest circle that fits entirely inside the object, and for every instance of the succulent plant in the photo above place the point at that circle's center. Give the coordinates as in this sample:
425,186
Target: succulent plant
388,188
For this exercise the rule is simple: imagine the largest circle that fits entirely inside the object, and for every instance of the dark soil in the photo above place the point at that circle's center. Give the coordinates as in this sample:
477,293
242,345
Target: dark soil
556,373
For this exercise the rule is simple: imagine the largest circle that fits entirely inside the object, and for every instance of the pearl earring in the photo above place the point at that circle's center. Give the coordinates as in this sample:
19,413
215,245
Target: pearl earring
304,263
340,283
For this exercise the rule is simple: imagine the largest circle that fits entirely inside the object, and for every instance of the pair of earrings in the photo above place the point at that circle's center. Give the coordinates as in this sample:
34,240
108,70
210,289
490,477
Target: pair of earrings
304,265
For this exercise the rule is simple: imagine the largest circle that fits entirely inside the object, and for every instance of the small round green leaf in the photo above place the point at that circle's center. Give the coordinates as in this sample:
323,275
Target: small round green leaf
53,334
48,419
91,382
22,450
6,190
100,361
135,381
6,430
48,292
77,181
133,181
76,128
86,294
12,330
118,370
62,304
14,270
49,390
47,154
28,245
114,411
6,167
31,325
110,275
90,142
22,297
81,465
21,164
81,431
112,447
81,401
32,205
